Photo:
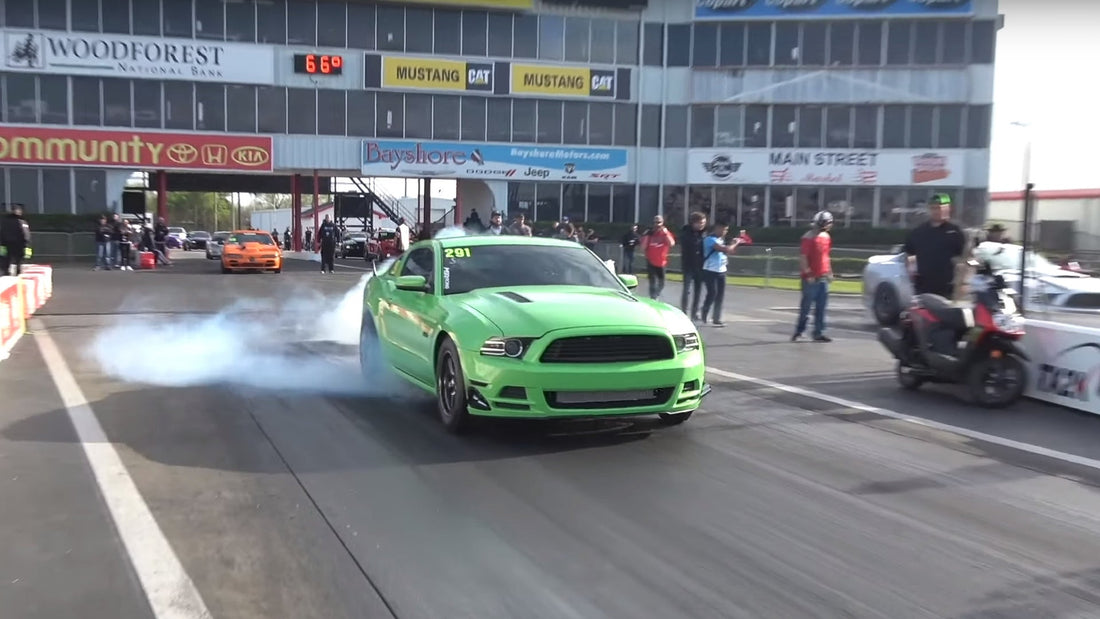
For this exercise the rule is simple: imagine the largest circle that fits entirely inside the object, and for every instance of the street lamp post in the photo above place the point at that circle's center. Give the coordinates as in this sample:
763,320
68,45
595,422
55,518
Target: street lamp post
1027,214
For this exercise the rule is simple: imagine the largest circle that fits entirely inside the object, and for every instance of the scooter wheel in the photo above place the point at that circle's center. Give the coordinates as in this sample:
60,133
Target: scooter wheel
908,381
997,383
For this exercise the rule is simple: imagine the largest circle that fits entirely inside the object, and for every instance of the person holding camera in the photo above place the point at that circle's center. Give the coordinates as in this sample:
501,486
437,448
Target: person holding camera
716,253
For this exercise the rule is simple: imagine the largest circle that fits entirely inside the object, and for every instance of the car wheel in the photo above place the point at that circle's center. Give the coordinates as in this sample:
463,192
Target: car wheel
226,271
674,419
369,349
907,380
886,305
450,388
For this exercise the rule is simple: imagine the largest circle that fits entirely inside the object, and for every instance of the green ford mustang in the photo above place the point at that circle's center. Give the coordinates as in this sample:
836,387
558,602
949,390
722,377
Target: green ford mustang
520,327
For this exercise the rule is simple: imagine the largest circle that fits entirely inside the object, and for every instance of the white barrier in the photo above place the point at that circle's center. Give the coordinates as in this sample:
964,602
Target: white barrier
1065,364
20,298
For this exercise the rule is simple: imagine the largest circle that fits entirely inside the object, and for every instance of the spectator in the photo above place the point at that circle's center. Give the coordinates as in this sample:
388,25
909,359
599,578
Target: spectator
496,225
934,248
116,239
520,227
629,242
817,272
160,239
15,239
656,244
995,233
691,262
402,236
326,236
713,269
124,246
102,244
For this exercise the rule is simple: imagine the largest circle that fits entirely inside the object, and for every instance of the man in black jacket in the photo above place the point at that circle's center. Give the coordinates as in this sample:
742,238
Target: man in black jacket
160,239
934,249
15,238
691,262
103,244
326,236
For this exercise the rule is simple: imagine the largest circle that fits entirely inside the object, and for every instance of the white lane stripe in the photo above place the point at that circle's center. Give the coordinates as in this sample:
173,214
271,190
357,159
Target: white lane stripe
885,412
170,591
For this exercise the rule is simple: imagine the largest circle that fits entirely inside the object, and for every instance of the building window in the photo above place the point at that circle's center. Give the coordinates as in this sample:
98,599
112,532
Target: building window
784,126
446,118
52,15
241,109
549,122
679,45
473,119
895,122
921,130
301,111
447,38
116,16
983,35
704,45
271,22
210,19
626,124
146,18
117,104
301,22
91,190
361,26
475,26
810,126
148,109
729,122
25,189
552,37
19,13
865,129
651,125
759,49
179,105
756,126
599,203
271,109
418,109
649,202
331,112
731,45
521,199
954,42
419,26
842,43
548,201
870,44
676,126
978,119
526,36
391,29
788,47
949,126
86,101
360,113
927,44
815,36
575,122
572,201
500,35
332,25
56,194
523,120
84,15
602,50
577,37
500,130
838,126
702,126
601,123
626,42
240,21
653,51
623,204
390,117
899,43
210,107
53,93
178,19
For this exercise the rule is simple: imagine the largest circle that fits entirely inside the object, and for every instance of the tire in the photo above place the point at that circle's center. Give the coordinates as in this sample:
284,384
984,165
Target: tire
369,349
674,419
1002,395
886,306
450,389
277,270
908,382
225,271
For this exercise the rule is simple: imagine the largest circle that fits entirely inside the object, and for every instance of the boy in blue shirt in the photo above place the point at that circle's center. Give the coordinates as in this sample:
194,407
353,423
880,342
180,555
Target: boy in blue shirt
716,252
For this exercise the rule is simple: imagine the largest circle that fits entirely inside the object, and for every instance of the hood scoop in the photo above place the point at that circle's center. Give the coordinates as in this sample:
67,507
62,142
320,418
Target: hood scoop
518,298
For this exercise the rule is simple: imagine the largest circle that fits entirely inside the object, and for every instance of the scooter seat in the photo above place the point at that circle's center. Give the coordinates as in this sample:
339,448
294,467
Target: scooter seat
958,319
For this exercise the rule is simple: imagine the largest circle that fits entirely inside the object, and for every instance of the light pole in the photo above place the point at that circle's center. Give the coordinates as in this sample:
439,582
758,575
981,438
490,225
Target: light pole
1027,214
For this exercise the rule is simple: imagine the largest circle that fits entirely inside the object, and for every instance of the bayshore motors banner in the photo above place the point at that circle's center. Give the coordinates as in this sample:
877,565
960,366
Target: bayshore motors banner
824,167
801,9
139,150
116,55
405,158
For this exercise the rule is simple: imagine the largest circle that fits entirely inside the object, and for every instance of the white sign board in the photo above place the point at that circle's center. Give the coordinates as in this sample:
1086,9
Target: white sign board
1065,364
110,55
825,167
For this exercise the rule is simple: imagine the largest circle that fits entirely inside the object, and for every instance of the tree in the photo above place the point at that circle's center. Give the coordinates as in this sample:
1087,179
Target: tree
201,210
270,201
26,52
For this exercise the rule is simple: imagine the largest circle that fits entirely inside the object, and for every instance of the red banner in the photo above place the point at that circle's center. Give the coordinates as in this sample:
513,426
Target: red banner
11,314
134,149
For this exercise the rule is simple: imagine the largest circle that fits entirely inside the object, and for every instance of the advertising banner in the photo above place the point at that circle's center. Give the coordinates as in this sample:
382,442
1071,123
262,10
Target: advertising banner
842,9
11,314
436,74
39,145
1065,364
562,81
823,167
405,158
117,55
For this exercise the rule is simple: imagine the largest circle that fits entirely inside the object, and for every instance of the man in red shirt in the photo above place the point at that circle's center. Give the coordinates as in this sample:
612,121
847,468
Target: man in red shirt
656,245
816,274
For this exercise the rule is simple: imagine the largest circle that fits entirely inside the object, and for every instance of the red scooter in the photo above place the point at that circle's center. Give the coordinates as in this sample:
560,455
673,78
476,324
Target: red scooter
937,341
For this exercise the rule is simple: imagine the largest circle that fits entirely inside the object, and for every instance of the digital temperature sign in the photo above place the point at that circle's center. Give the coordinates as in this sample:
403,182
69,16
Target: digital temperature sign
318,64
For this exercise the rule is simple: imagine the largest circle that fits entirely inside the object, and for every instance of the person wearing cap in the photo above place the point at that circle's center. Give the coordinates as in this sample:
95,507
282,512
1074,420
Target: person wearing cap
934,249
817,272
995,233
15,241
496,223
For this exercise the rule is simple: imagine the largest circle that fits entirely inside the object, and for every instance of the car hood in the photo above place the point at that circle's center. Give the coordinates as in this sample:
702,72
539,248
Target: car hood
533,311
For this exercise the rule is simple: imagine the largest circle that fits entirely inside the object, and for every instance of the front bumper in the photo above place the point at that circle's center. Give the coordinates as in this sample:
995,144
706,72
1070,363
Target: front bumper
247,263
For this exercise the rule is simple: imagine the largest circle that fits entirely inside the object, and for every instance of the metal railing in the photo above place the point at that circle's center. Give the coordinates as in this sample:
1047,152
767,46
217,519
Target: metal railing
63,246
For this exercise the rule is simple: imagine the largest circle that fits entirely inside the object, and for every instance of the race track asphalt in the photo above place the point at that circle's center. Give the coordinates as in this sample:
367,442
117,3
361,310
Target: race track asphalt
287,494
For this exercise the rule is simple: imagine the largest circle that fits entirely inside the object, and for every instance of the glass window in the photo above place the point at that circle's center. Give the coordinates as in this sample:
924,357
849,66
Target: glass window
91,189
974,207
949,126
210,107
653,52
52,15
983,36
602,50
86,108
447,38
500,35
809,126
814,43
626,43
361,27
572,203
549,123
521,199
729,122
920,126
784,126
390,115
418,115
601,123
649,201
623,205
731,45
301,105
626,124
418,30
676,126
756,126
500,130
870,43
116,16
842,43
179,104
146,18
547,201
552,37
240,21
241,108
726,199
577,37
301,22
85,15
25,189
446,118
473,119
19,13
895,121
599,203
704,45
788,47
331,112
56,190
178,20
53,92
759,39
523,120
954,42
391,29
360,113
148,110
679,45
838,126
526,36
978,118
271,106
899,43
575,122
332,24
117,105
926,39
865,133
210,19
271,23
651,125
862,207
475,26
702,126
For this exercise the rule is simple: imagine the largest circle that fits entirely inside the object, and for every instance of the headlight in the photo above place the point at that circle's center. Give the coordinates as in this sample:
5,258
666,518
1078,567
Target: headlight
514,347
686,342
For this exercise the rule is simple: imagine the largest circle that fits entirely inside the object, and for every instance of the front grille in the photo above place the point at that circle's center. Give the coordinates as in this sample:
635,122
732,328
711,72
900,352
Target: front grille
609,349
605,400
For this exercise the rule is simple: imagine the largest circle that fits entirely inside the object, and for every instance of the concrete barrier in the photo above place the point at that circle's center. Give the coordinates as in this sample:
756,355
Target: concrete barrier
20,298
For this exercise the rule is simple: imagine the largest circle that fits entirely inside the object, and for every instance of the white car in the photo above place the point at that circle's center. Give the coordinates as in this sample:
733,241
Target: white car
216,244
887,290
180,234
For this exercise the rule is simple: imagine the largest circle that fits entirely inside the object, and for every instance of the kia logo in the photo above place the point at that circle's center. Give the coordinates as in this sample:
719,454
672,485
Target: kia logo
251,156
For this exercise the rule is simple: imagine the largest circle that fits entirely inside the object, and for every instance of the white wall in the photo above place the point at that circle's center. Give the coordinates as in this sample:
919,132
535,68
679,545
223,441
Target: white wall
481,196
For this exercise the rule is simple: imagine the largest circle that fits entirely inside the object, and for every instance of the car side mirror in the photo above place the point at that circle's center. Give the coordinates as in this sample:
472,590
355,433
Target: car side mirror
414,283
630,281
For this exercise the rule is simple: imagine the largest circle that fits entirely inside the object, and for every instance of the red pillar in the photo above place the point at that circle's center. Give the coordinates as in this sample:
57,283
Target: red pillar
426,217
296,209
316,203
162,194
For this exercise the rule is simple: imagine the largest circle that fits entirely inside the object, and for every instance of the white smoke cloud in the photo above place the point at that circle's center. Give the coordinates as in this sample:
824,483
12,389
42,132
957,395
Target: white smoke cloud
451,232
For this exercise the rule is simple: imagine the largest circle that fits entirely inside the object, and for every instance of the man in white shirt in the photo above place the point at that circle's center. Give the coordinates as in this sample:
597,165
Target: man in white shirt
402,235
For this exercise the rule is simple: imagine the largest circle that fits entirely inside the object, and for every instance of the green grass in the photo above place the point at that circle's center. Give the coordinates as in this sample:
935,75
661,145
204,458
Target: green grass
781,283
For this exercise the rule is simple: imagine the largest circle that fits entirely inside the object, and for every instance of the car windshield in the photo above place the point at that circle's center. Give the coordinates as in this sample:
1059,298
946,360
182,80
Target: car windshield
262,239
491,266
1004,257
357,236
175,230
201,235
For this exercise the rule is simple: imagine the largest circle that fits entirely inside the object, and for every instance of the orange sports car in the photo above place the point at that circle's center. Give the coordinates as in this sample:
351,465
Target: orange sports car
251,250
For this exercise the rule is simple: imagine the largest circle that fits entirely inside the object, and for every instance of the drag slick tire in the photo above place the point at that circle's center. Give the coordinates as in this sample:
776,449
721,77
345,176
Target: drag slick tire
450,389
908,381
674,419
990,381
369,350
